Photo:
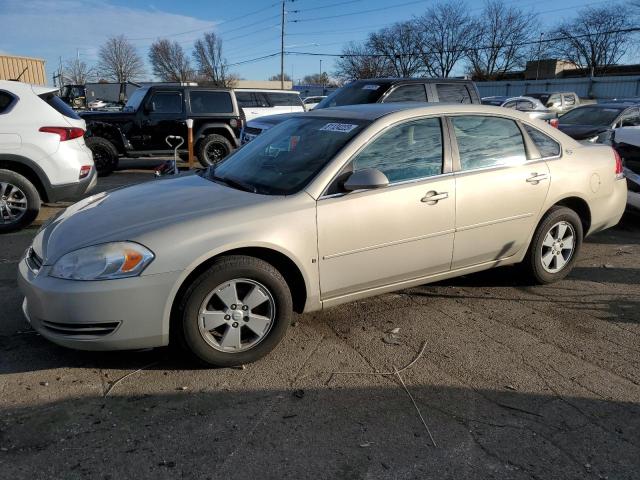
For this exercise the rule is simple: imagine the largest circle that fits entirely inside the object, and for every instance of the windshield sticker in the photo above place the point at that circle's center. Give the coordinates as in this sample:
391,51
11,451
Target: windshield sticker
338,127
371,86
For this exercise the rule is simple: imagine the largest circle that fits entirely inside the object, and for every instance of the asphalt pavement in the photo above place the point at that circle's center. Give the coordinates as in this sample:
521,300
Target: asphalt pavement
510,381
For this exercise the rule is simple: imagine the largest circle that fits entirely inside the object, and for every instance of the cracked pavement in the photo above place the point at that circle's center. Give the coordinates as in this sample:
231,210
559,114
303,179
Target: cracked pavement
516,382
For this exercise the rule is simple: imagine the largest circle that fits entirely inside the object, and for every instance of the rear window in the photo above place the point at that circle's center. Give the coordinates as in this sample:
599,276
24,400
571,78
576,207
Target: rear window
355,94
453,93
284,99
58,104
210,102
5,101
596,116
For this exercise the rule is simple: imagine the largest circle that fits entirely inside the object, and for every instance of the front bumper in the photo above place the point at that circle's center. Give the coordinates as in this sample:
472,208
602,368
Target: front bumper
123,314
72,191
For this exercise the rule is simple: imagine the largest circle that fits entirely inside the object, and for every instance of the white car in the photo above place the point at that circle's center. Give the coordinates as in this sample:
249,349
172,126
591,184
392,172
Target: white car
43,157
311,102
259,103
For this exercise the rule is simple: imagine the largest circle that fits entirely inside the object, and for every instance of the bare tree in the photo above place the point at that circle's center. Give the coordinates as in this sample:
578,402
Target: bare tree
276,78
360,61
169,62
398,45
76,72
212,66
119,60
595,39
317,79
503,37
446,32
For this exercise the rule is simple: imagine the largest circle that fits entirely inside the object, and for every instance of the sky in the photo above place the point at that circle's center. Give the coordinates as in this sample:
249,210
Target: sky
249,28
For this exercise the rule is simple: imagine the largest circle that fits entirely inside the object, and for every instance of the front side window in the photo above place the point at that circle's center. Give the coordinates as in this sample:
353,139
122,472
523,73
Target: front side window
407,93
210,102
597,116
525,105
547,146
135,100
405,152
488,141
453,93
167,102
285,158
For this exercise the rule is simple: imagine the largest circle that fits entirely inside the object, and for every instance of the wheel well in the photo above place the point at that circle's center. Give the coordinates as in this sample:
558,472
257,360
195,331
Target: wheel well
28,173
218,131
579,206
109,134
281,262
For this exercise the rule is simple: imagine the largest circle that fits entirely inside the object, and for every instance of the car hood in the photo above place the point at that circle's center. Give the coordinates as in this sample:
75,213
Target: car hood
582,132
131,212
269,121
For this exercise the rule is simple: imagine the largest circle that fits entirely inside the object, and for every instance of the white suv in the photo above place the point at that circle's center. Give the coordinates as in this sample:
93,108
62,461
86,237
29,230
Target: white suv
43,157
258,103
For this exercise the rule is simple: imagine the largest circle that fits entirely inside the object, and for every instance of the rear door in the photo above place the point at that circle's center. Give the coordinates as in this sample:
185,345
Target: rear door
500,188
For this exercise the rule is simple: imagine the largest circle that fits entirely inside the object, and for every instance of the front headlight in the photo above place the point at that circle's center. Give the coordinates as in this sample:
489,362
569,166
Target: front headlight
103,262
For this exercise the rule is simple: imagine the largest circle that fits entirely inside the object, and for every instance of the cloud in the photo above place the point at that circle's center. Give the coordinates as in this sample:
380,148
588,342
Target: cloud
45,29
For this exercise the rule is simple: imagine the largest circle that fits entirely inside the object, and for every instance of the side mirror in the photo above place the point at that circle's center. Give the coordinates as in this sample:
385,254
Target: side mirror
367,179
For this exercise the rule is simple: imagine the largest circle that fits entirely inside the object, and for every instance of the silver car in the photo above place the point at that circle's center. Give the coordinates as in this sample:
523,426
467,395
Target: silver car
325,208
531,106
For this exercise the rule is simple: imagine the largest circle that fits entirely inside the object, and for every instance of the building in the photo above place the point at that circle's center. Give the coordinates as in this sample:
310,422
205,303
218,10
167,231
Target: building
25,69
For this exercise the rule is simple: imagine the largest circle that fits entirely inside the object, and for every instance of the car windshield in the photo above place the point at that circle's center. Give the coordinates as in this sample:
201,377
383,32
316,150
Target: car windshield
595,116
135,100
355,93
285,158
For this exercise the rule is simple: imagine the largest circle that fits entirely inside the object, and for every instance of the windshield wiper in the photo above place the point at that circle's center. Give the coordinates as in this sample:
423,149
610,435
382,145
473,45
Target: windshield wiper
237,184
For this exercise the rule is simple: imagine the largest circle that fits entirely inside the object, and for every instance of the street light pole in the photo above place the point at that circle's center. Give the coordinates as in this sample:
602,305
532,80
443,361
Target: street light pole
539,49
282,48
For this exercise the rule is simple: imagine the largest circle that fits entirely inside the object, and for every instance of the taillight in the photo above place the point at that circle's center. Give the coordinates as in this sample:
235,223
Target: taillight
84,171
554,122
65,133
619,170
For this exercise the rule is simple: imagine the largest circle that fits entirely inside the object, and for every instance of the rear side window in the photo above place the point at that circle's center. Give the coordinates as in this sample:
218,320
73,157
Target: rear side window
284,99
547,146
453,93
488,141
210,102
58,105
5,101
409,151
407,93
569,99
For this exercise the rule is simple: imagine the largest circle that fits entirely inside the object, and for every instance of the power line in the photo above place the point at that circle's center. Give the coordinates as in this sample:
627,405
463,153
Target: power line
414,2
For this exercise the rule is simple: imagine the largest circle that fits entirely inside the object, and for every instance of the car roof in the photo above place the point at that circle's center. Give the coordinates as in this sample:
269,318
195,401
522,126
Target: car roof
411,80
17,87
266,90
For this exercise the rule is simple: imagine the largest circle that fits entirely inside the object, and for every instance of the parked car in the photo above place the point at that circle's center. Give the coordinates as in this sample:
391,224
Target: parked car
594,123
559,102
626,141
382,90
328,207
531,106
258,103
311,102
43,157
153,113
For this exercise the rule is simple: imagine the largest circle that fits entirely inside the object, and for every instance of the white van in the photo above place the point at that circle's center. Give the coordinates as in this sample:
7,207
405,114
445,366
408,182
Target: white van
258,103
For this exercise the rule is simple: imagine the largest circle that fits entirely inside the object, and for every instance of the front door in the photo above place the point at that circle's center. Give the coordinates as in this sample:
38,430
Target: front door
166,117
499,191
372,238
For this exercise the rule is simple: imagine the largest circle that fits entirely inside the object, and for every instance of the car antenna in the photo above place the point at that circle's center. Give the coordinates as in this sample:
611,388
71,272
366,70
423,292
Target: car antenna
20,76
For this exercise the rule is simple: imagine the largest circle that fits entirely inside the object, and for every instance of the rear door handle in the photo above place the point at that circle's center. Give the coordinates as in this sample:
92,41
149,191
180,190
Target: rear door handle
535,178
433,197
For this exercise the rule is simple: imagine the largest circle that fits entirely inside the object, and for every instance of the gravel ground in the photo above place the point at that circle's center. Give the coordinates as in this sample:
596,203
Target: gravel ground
514,382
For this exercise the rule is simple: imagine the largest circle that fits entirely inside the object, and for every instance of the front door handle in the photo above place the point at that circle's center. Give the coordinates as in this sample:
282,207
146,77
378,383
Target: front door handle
433,197
536,178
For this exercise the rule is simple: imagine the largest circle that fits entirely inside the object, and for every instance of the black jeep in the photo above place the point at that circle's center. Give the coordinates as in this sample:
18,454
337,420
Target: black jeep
153,113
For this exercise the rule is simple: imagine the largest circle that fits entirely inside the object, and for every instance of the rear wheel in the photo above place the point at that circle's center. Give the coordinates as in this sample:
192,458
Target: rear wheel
212,149
105,155
555,246
236,312
19,201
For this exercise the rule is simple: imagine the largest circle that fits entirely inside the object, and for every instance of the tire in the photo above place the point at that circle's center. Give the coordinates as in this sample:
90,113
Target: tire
208,145
235,336
19,201
105,155
549,241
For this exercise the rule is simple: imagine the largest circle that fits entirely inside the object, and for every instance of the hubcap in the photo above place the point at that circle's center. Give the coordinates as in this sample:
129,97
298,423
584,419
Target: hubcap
236,315
13,203
558,247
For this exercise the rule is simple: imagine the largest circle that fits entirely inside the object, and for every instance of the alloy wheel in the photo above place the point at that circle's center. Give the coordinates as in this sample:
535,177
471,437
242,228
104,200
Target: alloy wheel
558,246
214,152
236,315
13,203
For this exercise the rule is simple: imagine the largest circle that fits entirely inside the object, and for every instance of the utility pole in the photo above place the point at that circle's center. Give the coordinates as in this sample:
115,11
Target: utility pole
539,49
282,48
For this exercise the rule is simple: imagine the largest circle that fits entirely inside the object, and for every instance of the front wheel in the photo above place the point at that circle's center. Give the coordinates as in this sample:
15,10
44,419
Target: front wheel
212,149
555,246
236,312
